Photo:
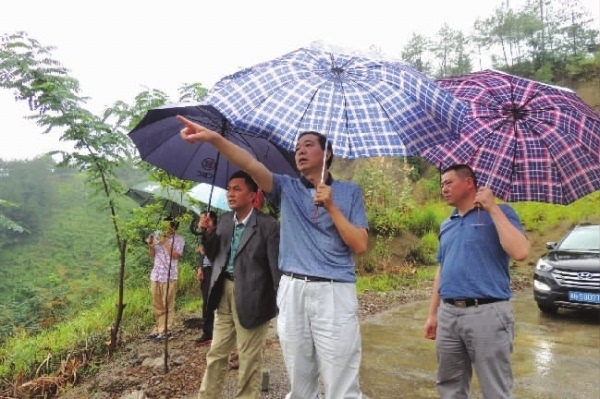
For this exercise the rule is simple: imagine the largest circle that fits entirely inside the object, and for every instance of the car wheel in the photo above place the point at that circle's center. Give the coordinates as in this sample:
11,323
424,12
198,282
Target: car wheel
550,309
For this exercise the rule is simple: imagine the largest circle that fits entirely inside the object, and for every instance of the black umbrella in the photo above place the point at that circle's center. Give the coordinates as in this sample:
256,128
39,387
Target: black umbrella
159,143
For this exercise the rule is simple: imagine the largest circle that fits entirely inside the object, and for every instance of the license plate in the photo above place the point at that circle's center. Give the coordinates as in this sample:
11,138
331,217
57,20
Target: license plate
584,297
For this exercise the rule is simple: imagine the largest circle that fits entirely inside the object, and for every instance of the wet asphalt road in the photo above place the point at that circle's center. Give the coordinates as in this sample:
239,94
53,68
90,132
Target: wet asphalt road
555,357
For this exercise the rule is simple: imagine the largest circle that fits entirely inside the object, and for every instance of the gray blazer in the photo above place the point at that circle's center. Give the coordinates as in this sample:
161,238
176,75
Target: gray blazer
255,267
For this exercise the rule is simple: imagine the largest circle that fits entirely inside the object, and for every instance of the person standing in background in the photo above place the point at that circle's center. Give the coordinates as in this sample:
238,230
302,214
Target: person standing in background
166,251
204,274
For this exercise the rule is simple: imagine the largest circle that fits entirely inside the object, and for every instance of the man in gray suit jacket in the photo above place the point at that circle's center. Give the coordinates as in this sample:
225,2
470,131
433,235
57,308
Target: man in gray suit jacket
243,250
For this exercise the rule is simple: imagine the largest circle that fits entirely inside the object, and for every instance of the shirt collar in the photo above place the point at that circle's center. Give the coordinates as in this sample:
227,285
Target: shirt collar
308,184
245,221
455,214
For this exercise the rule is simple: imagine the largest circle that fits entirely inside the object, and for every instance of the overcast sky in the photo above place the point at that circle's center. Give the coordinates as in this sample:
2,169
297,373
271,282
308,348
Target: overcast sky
117,48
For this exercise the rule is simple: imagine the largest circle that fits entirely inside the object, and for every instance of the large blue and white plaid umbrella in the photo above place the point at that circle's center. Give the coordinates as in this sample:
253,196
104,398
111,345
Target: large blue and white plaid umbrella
366,104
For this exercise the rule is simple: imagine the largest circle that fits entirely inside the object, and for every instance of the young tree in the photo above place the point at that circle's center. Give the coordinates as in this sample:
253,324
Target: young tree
450,48
34,76
101,145
415,52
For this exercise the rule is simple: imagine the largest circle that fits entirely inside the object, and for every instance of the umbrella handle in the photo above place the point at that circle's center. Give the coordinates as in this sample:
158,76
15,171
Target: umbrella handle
320,204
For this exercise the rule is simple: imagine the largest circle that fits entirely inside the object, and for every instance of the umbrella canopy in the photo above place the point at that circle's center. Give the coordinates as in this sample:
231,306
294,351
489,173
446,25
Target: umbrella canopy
526,140
175,202
214,196
367,105
158,141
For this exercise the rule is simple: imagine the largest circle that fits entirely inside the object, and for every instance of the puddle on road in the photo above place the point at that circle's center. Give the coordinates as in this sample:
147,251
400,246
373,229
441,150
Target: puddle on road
555,357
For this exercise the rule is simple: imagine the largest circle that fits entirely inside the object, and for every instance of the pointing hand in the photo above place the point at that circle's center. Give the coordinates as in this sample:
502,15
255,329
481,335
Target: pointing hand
193,132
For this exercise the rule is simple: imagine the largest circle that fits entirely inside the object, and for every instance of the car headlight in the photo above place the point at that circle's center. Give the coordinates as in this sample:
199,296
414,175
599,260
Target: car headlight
543,266
539,286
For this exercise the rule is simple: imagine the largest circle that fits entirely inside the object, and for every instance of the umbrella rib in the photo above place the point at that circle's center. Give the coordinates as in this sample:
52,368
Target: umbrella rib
529,99
554,161
345,113
376,100
312,98
538,92
513,152
189,164
350,80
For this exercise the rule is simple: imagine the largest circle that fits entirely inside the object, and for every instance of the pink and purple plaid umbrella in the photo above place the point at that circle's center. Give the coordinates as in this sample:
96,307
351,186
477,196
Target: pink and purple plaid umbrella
526,140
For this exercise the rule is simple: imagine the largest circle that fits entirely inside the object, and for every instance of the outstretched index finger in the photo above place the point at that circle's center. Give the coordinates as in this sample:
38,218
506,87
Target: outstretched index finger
185,121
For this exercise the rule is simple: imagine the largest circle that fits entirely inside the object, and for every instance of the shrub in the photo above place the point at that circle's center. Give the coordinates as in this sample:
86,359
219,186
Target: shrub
428,248
377,259
423,221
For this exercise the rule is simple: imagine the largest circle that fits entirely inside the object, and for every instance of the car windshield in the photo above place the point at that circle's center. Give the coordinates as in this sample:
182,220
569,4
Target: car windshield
582,239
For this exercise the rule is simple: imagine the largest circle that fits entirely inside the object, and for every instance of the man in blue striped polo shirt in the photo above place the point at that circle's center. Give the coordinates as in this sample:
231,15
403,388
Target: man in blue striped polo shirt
470,316
323,223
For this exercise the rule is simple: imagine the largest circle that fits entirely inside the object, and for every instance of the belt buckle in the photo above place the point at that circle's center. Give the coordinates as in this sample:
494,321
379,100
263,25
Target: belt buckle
460,304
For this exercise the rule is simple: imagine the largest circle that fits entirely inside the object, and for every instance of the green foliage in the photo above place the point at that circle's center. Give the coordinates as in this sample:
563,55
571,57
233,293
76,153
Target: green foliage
378,259
545,73
415,53
85,330
423,220
429,187
408,279
192,92
543,217
387,192
101,148
550,41
27,184
7,223
425,253
583,67
63,262
450,49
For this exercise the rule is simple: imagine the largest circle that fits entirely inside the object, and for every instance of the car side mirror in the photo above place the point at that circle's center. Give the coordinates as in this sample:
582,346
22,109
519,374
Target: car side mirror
551,245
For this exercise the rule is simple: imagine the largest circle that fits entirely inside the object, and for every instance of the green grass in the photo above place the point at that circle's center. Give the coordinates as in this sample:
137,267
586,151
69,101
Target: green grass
88,329
395,282
542,217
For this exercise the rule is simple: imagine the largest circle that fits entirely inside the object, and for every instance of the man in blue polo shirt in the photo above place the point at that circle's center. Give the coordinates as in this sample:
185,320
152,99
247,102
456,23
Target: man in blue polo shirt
470,316
323,223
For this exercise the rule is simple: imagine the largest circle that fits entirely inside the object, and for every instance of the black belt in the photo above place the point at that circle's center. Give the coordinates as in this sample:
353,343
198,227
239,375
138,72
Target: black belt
228,276
465,303
308,278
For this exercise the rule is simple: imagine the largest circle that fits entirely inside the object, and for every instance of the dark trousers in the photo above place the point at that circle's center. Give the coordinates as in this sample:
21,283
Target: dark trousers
207,317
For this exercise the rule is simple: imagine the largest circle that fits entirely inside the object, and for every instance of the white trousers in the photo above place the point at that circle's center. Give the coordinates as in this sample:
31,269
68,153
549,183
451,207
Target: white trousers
320,336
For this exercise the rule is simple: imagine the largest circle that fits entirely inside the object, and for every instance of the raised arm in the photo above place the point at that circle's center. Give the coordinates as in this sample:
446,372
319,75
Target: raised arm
195,133
355,237
514,242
